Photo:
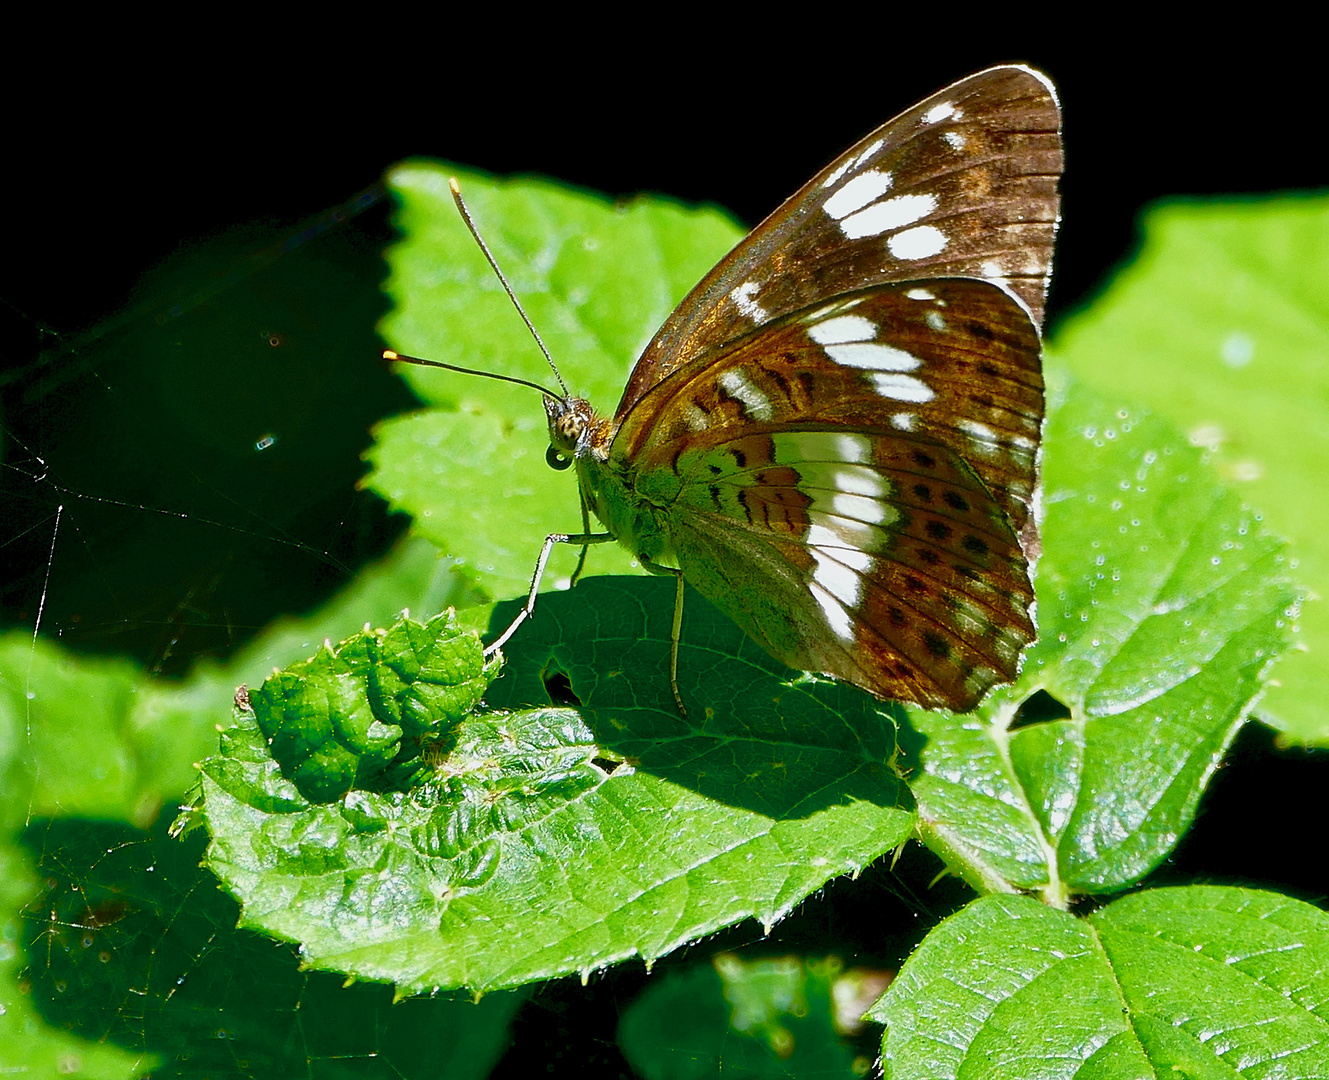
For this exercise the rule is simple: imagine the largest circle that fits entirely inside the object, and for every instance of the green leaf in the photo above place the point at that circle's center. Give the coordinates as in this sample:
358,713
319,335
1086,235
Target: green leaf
88,736
1198,982
596,278
740,1018
1162,602
1218,324
548,841
103,739
337,720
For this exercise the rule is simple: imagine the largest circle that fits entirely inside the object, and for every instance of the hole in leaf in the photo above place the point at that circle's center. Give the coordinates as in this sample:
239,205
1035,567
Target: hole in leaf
604,764
1038,708
559,688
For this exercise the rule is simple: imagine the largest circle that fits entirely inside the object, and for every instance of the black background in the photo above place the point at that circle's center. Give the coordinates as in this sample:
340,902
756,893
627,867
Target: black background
217,151
164,206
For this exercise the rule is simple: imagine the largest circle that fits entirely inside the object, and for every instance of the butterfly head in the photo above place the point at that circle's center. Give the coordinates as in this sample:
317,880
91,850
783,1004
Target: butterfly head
571,421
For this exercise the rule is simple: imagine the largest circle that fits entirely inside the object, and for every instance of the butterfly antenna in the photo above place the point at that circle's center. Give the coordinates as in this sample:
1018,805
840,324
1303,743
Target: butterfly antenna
493,263
390,355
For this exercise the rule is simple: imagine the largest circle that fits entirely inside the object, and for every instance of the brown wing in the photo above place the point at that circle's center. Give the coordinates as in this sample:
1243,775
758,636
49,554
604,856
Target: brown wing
850,484
962,185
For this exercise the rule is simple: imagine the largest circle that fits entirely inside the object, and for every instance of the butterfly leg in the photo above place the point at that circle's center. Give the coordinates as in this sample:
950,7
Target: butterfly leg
676,632
528,609
586,529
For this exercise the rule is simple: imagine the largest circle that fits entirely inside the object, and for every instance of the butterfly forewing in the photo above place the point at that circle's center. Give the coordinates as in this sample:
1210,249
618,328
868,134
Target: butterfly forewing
952,361
850,482
964,184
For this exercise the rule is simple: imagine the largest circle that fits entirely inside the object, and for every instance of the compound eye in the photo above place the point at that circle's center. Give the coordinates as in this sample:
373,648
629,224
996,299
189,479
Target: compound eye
557,461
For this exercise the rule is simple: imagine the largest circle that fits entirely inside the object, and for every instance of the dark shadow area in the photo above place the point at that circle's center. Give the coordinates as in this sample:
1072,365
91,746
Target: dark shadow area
874,921
757,735
559,688
184,472
1040,707
132,943
1259,822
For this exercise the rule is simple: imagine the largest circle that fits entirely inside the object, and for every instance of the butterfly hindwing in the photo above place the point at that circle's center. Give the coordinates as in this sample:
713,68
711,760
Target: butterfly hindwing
882,602
964,184
850,483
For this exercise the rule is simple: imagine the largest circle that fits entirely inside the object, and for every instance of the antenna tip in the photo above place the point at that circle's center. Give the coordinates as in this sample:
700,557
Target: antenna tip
388,354
456,187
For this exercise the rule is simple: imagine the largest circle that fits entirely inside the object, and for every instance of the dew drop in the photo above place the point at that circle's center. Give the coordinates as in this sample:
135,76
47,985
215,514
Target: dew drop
1237,349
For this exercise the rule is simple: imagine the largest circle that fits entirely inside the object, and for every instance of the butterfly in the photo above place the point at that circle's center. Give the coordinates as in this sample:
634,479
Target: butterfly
835,436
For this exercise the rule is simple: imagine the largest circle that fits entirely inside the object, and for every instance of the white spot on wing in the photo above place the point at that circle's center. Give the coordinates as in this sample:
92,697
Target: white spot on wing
857,193
836,578
867,152
902,387
935,321
738,386
697,420
834,178
938,113
859,535
977,430
873,357
849,505
887,215
829,540
842,328
860,480
983,438
920,294
743,298
920,242
836,567
848,511
954,139
904,421
858,508
836,616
